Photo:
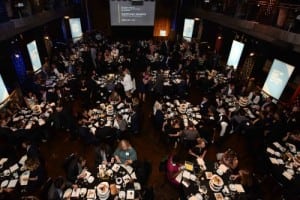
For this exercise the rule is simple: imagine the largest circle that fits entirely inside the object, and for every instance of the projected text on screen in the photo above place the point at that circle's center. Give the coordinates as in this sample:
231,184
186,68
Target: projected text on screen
235,53
34,56
127,13
277,78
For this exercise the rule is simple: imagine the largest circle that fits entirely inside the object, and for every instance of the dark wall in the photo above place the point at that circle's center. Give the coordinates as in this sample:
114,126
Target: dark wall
99,15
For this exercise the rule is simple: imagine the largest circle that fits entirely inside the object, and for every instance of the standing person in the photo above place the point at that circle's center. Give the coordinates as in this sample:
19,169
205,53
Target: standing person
146,78
127,82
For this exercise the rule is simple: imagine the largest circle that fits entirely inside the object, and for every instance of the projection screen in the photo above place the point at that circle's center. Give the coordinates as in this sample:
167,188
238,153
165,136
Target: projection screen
277,78
188,29
235,53
76,30
3,91
34,56
132,12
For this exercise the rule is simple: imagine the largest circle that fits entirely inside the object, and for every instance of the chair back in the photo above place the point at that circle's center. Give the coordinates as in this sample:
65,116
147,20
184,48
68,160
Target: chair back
68,161
45,188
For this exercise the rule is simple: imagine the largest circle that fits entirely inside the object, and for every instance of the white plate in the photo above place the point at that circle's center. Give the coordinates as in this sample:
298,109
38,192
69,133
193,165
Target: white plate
91,179
232,187
4,183
122,194
83,191
6,172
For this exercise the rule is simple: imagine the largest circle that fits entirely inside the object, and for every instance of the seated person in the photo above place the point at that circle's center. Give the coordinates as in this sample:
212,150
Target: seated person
173,169
103,154
31,150
229,158
75,169
31,100
199,150
124,153
120,124
37,174
56,190
190,133
114,98
293,137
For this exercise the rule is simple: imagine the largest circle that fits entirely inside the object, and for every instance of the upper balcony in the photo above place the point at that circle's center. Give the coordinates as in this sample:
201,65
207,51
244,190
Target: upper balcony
272,21
22,15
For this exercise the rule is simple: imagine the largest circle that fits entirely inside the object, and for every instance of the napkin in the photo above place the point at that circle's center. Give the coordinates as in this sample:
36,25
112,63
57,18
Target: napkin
287,175
93,130
75,193
274,161
130,194
12,183
223,168
41,122
3,160
24,178
128,168
179,177
291,147
201,163
22,160
28,126
271,151
133,176
186,174
239,188
13,168
185,183
193,177
121,105
276,144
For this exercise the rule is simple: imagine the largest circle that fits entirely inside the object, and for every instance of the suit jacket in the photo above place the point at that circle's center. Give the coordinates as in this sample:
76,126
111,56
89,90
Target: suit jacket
73,171
53,193
33,152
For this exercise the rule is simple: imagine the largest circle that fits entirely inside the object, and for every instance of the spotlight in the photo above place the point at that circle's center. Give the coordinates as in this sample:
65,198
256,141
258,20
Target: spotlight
67,17
197,19
17,55
219,37
251,54
163,33
46,37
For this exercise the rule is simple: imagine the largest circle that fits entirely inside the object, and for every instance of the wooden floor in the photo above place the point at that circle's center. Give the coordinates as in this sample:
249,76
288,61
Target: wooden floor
150,148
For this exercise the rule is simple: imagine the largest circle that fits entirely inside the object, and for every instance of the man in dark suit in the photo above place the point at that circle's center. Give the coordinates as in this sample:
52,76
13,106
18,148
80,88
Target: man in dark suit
56,189
75,169
31,150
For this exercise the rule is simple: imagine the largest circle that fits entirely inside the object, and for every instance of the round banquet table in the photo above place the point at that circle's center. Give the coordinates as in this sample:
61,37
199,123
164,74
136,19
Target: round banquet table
202,184
283,167
118,171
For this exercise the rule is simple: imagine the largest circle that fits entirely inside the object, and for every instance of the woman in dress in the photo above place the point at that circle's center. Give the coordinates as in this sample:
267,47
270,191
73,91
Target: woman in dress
146,78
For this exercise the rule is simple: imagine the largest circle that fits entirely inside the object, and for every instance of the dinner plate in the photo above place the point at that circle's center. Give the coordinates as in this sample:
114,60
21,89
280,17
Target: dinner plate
83,191
232,187
119,180
4,183
91,179
6,172
68,193
122,194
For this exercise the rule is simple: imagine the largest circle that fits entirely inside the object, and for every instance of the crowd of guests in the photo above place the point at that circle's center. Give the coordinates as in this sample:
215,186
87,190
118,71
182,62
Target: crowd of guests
134,62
